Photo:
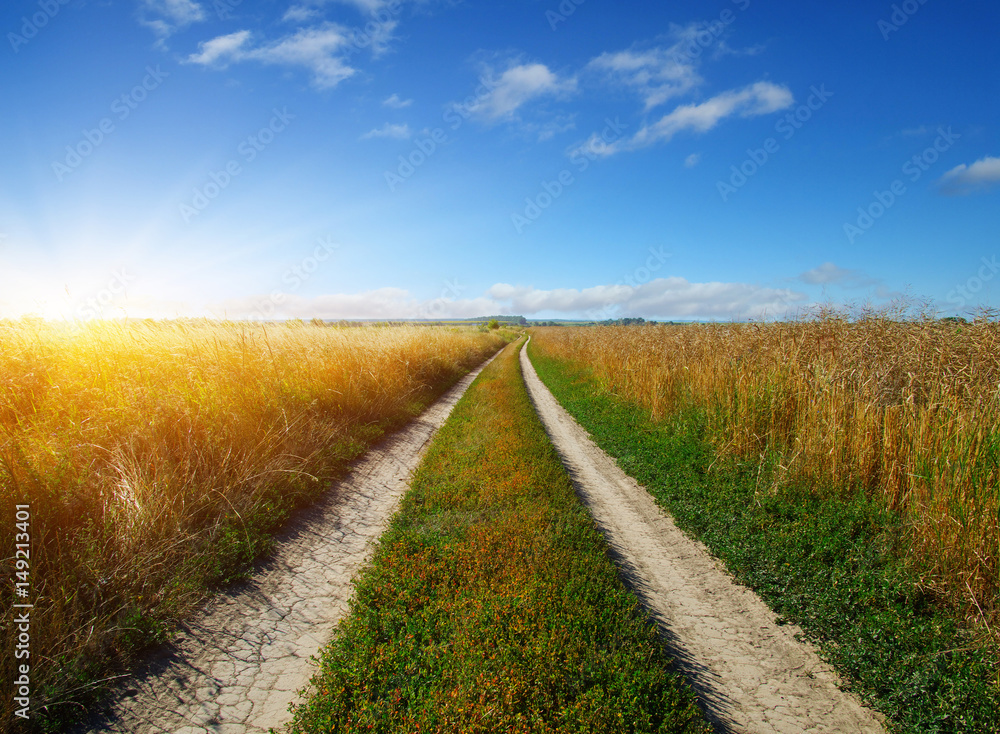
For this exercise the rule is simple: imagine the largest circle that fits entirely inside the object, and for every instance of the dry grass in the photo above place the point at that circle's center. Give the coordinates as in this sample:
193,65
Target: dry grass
157,458
908,410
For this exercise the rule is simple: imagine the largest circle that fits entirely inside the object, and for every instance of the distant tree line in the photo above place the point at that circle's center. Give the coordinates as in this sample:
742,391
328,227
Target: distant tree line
623,322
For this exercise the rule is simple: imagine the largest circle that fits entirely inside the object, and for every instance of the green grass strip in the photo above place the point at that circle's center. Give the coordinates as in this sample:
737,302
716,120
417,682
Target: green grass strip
822,561
491,604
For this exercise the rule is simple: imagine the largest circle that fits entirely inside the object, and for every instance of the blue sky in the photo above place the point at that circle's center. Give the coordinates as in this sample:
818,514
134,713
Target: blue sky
737,159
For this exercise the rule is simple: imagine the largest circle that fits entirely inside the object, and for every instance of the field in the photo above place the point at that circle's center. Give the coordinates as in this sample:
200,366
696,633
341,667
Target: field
907,411
491,604
847,471
158,459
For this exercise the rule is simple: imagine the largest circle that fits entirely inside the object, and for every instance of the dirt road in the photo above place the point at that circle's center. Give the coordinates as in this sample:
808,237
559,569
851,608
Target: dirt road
238,664
751,674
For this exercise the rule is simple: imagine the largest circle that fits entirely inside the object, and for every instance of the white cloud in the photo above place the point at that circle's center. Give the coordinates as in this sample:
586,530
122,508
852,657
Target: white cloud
965,179
389,130
383,303
181,12
756,99
664,298
657,74
692,160
517,86
299,14
314,48
164,17
374,35
220,50
662,72
548,130
724,49
825,274
830,274
395,102
369,7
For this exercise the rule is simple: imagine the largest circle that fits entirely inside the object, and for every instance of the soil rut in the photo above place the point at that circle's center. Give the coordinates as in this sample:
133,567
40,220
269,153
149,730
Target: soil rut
751,674
237,665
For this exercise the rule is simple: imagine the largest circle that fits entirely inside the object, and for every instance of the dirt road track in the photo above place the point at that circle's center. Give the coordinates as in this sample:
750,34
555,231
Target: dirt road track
237,665
751,674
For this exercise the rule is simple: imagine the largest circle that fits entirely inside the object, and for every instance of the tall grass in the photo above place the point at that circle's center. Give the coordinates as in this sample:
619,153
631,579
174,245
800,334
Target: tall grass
908,410
158,458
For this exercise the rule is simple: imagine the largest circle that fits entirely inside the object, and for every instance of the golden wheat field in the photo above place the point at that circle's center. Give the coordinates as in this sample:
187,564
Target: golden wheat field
158,458
907,410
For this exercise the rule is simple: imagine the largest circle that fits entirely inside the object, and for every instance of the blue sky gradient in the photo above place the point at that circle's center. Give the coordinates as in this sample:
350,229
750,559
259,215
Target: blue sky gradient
740,159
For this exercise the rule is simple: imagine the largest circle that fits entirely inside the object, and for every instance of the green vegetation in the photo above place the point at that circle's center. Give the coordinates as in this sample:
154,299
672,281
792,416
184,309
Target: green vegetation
825,560
491,605
159,459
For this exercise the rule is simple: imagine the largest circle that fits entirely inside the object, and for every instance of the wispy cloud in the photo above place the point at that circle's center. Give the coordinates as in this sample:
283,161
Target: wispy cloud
757,99
667,70
515,87
369,7
383,303
221,50
389,130
830,274
825,274
657,74
375,33
165,17
300,13
968,179
724,49
314,48
547,130
692,160
394,102
663,298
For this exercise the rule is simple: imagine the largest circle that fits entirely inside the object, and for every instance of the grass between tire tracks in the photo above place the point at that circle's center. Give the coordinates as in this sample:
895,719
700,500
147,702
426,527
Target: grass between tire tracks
825,563
491,604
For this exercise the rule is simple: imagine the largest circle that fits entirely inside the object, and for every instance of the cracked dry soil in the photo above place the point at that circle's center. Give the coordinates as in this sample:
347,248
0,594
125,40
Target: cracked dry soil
751,674
235,667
